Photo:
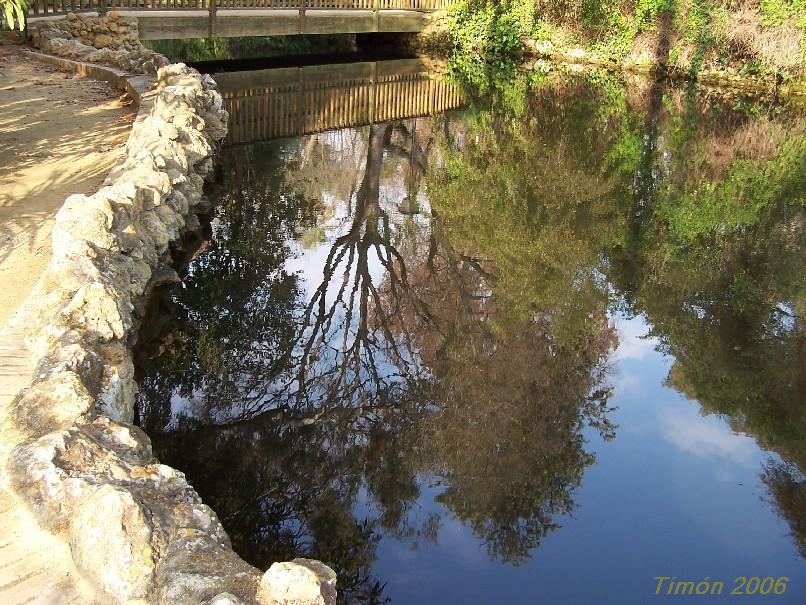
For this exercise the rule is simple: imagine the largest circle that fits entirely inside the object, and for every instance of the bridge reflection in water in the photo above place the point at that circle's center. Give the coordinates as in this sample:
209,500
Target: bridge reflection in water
275,103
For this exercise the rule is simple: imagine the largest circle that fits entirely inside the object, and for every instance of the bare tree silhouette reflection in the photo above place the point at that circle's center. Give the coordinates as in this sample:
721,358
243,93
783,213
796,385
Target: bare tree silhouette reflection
310,416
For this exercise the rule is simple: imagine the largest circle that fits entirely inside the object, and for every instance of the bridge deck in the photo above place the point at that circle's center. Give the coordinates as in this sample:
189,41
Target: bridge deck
231,23
172,19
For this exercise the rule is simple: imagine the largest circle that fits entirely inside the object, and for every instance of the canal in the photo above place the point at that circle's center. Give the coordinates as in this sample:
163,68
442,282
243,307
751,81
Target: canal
538,344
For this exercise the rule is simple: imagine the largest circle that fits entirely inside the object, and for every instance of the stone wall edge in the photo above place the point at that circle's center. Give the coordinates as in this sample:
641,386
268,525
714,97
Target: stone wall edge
136,529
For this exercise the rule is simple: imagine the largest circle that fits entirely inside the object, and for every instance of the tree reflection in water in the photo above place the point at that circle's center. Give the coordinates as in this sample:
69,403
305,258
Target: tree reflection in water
423,305
294,407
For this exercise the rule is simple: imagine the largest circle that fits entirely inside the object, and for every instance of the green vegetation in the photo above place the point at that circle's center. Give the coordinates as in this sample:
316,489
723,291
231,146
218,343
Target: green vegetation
694,209
487,38
764,37
727,294
543,223
778,12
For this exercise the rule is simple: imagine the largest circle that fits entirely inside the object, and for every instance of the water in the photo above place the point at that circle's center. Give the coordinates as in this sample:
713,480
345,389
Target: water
540,345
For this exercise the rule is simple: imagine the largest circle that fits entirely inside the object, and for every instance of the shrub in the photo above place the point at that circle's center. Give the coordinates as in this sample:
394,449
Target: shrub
765,35
770,33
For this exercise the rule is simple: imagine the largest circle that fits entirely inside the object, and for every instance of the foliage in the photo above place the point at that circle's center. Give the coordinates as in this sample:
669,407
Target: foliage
746,191
14,12
715,263
787,486
765,36
779,12
740,172
522,218
486,36
697,206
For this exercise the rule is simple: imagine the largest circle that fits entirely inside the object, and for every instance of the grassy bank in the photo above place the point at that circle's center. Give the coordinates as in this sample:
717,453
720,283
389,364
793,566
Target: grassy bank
763,39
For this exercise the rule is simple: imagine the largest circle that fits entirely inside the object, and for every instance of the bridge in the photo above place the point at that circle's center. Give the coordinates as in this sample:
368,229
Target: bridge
176,19
275,103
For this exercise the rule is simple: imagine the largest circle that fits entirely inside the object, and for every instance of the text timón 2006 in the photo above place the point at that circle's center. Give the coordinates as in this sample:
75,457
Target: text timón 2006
742,585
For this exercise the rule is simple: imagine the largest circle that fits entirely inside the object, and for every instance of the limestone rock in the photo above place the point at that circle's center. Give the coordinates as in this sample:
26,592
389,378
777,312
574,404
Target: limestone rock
51,404
223,598
100,311
156,229
102,41
70,354
117,391
128,442
298,582
84,218
41,484
99,39
110,541
108,55
68,48
196,568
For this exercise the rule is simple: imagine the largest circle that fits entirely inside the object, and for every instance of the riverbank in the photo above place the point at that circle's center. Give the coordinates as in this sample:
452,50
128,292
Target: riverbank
729,76
59,135
754,46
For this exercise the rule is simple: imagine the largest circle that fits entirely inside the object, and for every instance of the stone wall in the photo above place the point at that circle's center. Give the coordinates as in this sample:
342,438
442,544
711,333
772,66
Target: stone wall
136,529
111,39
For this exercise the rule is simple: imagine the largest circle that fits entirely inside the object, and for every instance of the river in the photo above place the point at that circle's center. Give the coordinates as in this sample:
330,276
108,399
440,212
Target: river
540,344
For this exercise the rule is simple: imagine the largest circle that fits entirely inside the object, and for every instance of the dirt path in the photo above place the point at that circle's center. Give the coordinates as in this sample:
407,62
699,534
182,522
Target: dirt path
59,135
35,567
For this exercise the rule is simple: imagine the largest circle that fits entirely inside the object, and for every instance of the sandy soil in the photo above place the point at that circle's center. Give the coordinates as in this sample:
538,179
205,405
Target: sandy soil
59,135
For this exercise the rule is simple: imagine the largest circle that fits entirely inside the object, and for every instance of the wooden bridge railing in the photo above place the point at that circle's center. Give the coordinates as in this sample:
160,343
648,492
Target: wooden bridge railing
296,101
61,7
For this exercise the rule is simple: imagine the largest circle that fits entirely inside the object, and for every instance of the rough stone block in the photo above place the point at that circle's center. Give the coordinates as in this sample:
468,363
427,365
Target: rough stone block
298,582
110,541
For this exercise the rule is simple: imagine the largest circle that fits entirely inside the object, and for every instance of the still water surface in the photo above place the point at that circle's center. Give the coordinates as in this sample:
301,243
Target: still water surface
536,346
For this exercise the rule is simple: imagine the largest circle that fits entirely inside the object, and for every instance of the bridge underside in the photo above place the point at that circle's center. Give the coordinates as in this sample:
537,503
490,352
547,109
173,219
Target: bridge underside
161,25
